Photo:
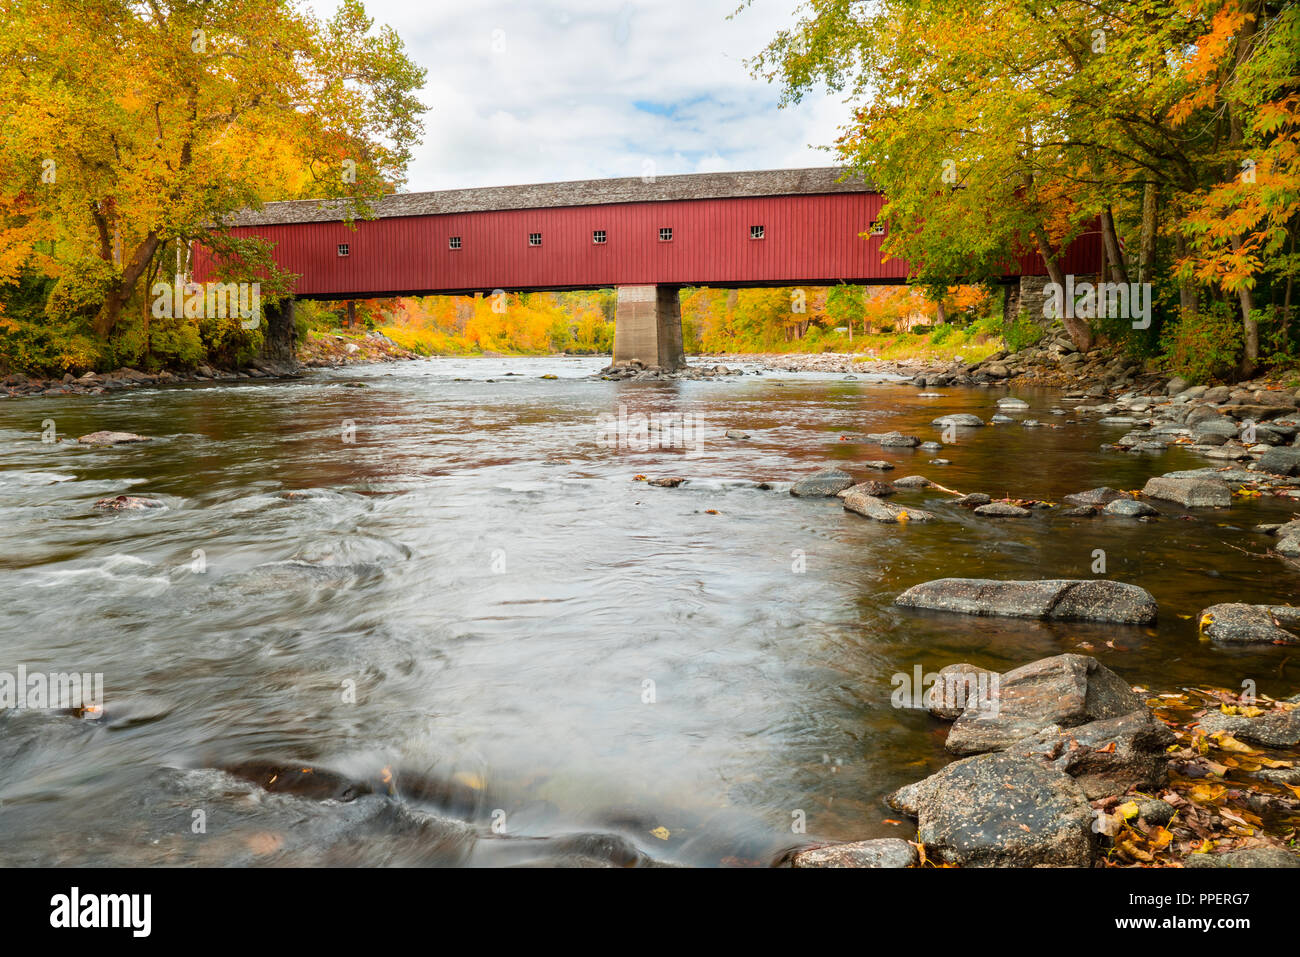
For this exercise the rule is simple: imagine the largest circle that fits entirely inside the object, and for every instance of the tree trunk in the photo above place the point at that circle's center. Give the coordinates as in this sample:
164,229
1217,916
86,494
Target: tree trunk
1078,330
1147,252
1118,271
1186,289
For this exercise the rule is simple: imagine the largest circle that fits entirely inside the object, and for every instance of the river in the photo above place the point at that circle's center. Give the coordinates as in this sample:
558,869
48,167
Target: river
525,655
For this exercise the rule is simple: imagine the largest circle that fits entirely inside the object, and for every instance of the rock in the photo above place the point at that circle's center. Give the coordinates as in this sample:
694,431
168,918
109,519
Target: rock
870,487
873,508
1136,760
1156,811
1080,511
1189,493
882,852
1002,810
1245,857
879,465
1001,419
1094,496
895,440
912,481
111,438
1002,510
1236,623
736,434
1273,729
1009,402
1055,598
958,687
1129,508
972,499
823,484
1064,690
962,419
1176,386
666,482
1280,461
128,503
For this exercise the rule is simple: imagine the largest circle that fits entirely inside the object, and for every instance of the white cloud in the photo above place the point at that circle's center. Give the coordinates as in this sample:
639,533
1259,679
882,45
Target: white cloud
528,91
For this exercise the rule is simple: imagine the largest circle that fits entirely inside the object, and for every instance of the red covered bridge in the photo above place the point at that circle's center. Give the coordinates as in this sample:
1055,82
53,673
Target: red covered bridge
646,237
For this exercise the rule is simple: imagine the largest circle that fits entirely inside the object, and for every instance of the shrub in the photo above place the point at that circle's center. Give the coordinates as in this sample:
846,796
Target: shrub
1206,347
1021,333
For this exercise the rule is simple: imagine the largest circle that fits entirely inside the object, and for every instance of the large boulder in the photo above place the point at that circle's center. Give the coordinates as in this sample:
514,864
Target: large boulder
883,852
1280,461
1064,690
871,507
1002,810
823,484
1053,598
1108,756
1237,623
1189,493
895,440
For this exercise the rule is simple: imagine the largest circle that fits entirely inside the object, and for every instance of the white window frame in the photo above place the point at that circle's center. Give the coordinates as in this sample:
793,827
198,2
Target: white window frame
598,237
757,232
344,249
534,239
453,242
665,238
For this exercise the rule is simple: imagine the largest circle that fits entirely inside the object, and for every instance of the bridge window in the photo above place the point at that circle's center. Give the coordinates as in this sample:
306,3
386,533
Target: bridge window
534,239
453,242
343,249
877,229
598,236
665,234
756,232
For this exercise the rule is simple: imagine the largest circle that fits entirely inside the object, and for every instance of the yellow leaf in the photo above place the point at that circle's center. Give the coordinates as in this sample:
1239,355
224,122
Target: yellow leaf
662,833
1127,811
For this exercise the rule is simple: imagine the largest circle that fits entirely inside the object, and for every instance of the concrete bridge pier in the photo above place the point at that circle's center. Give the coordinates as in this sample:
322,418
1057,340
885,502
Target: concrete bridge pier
648,327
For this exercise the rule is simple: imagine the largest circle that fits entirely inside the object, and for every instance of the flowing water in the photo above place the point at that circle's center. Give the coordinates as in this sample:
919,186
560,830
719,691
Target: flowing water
469,636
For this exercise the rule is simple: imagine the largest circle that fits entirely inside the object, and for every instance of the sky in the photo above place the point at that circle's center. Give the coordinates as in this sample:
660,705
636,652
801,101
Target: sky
534,91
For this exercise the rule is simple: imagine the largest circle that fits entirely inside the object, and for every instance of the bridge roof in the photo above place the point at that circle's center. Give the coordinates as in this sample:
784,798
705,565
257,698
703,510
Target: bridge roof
588,192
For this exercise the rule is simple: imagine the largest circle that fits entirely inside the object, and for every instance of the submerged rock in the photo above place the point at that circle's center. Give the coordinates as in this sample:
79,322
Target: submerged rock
963,419
1002,510
1239,623
1053,598
912,481
882,852
1129,508
112,438
869,487
879,465
1094,496
1064,690
128,503
972,499
873,508
894,439
823,484
1002,810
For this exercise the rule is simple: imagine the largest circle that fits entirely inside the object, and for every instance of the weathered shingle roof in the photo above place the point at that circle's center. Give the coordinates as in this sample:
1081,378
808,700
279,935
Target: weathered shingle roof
590,192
